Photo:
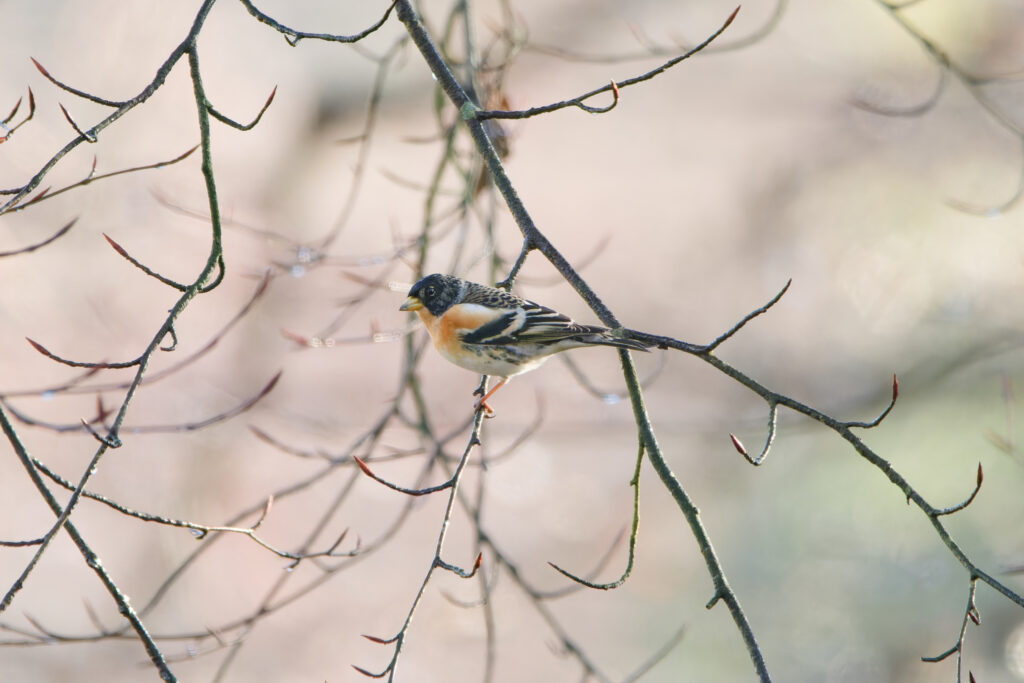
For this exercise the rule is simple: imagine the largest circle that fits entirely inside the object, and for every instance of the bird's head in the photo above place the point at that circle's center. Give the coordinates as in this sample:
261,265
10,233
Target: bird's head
437,293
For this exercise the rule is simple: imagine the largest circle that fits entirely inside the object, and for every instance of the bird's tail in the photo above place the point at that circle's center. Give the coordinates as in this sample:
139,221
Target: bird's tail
605,337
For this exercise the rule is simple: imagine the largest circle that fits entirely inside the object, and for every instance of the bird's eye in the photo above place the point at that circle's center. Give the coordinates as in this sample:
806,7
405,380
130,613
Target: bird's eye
429,292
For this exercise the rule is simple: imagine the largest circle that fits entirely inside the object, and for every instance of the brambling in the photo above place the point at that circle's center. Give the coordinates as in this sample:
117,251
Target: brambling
492,332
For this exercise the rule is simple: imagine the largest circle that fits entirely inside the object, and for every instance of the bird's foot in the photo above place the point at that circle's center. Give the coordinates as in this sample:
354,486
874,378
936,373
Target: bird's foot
482,405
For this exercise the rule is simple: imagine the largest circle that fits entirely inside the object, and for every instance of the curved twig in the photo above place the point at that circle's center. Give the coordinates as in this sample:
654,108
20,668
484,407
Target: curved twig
293,36
39,245
82,364
472,112
652,50
888,409
401,489
773,421
148,271
909,111
242,126
634,528
967,501
75,91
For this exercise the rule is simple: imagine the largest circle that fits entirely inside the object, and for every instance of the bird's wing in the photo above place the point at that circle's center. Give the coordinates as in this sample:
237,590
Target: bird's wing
511,319
527,322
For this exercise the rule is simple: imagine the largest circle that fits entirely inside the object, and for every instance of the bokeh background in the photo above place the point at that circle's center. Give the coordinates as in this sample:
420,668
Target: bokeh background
690,204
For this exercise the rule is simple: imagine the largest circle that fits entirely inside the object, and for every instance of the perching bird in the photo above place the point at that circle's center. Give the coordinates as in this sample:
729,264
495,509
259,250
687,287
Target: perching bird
492,332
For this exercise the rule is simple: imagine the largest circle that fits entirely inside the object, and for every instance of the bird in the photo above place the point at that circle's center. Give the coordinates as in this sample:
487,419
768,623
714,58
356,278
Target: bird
496,333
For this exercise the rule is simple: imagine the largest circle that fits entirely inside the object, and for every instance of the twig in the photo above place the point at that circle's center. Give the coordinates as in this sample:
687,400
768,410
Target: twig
614,87
971,614
39,245
634,529
293,36
399,639
459,98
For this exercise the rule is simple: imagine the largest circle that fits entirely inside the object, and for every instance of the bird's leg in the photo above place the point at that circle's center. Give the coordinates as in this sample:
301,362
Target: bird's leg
482,403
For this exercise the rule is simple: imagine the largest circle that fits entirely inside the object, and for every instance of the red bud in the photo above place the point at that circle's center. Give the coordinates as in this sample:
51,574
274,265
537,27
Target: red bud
363,466
117,247
39,66
37,346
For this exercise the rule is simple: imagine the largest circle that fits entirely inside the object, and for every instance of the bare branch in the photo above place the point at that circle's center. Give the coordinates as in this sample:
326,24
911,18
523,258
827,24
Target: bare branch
89,137
773,420
92,177
75,91
909,111
970,614
650,49
8,131
242,126
81,364
878,420
401,489
613,87
657,657
128,257
970,499
293,36
242,407
39,245
747,318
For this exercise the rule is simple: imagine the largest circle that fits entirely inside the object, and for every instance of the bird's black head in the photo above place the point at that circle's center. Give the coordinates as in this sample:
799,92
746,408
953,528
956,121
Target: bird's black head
437,293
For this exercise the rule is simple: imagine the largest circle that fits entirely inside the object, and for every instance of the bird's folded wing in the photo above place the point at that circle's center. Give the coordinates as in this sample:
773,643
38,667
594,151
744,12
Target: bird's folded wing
529,323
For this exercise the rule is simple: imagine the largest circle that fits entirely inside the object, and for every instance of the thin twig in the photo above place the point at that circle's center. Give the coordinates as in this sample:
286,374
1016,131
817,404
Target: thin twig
39,245
614,87
293,36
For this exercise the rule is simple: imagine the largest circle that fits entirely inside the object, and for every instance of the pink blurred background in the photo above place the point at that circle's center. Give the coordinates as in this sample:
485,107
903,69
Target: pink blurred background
711,185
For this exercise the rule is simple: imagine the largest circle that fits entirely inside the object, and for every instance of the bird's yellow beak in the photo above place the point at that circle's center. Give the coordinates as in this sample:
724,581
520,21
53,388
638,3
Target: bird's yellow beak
411,304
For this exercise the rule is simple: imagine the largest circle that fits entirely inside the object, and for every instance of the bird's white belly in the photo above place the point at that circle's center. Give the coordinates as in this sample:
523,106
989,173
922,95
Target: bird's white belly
491,360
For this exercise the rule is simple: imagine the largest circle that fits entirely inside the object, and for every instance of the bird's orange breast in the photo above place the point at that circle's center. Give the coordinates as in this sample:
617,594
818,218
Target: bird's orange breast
446,330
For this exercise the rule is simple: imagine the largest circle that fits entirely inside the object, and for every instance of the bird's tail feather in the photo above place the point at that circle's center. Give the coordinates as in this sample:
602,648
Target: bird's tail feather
609,339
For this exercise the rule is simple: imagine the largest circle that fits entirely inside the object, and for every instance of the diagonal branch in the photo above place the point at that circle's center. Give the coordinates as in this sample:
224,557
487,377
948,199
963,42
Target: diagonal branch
75,91
39,245
123,107
91,559
452,88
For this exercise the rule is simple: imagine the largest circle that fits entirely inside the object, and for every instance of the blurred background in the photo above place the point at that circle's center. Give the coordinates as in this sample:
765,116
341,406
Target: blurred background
764,159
